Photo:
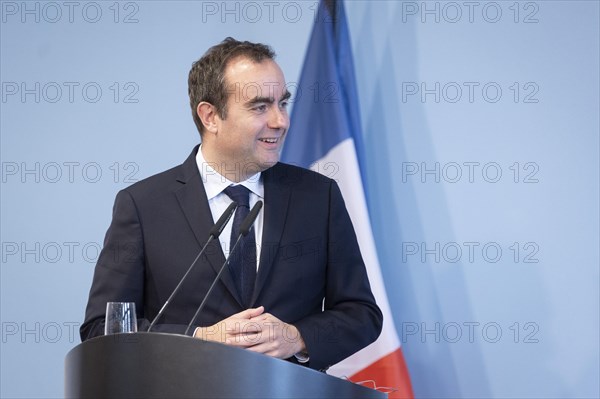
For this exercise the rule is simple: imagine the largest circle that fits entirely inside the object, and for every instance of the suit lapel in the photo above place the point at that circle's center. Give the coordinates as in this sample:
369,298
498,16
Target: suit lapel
194,204
277,196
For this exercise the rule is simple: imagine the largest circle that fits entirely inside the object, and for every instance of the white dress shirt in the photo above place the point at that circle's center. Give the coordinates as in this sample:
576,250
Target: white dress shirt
218,201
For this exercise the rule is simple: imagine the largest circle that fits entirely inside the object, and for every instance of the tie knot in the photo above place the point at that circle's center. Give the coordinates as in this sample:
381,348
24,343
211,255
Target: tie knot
239,194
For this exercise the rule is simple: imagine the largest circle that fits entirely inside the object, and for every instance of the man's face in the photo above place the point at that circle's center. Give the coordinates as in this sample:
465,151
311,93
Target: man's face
251,136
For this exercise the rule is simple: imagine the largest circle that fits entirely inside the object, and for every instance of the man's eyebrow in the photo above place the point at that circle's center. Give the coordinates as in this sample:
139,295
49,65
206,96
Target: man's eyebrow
286,96
260,99
268,100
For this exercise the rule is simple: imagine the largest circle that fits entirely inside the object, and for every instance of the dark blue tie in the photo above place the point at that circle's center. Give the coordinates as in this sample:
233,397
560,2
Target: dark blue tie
242,263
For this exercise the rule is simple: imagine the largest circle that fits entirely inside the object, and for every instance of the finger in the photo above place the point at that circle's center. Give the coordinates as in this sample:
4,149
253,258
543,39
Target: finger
262,347
243,326
272,349
233,327
257,311
249,313
244,340
263,317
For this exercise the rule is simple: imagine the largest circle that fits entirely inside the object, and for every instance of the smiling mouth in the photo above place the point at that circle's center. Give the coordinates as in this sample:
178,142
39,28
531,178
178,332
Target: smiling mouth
269,141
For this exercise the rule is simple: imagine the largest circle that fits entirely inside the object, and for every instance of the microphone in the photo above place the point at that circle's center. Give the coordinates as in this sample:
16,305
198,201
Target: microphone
214,233
244,229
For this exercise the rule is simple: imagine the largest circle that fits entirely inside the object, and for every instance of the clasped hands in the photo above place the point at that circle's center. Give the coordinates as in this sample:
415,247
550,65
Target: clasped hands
256,331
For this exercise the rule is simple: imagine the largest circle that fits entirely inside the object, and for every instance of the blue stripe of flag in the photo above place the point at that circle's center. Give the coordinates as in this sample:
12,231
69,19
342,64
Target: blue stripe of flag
325,109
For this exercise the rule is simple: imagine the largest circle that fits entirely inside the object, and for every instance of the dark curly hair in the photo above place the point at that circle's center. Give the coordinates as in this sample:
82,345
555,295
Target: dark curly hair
206,81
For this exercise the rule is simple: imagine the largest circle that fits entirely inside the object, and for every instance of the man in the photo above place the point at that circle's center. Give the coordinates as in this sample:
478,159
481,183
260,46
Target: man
308,298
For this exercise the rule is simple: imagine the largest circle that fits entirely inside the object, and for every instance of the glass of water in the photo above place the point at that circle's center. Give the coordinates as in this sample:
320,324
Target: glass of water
120,318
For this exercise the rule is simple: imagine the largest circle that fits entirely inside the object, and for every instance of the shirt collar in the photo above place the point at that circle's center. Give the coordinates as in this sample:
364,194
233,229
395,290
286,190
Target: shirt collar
215,183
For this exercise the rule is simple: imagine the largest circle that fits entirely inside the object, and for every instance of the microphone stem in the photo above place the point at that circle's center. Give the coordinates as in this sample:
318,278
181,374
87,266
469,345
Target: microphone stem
213,285
210,238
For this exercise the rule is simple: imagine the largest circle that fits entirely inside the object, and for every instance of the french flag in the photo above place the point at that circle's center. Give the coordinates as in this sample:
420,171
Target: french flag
325,135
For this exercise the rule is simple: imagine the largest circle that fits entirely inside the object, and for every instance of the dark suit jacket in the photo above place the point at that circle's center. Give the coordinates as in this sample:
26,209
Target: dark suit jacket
311,273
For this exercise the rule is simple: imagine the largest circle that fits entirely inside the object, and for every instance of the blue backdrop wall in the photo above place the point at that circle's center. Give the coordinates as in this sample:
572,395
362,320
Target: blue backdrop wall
481,128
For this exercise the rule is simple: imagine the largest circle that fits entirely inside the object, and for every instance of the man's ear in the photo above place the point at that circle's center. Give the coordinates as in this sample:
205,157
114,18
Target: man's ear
208,115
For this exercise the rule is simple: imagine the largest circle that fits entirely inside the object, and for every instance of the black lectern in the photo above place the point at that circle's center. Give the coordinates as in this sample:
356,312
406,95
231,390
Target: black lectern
155,365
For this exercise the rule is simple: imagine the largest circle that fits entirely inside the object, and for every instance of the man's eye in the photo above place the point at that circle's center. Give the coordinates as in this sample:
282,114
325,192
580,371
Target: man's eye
261,107
283,104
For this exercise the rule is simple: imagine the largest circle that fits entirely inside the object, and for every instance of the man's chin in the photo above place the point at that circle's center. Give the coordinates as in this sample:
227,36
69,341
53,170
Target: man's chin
250,168
268,164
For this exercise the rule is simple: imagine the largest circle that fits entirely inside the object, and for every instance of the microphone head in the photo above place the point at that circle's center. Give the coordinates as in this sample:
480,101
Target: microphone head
249,220
217,229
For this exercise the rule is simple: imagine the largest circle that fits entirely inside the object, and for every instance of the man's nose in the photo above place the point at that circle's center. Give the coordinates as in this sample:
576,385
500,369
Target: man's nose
278,118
